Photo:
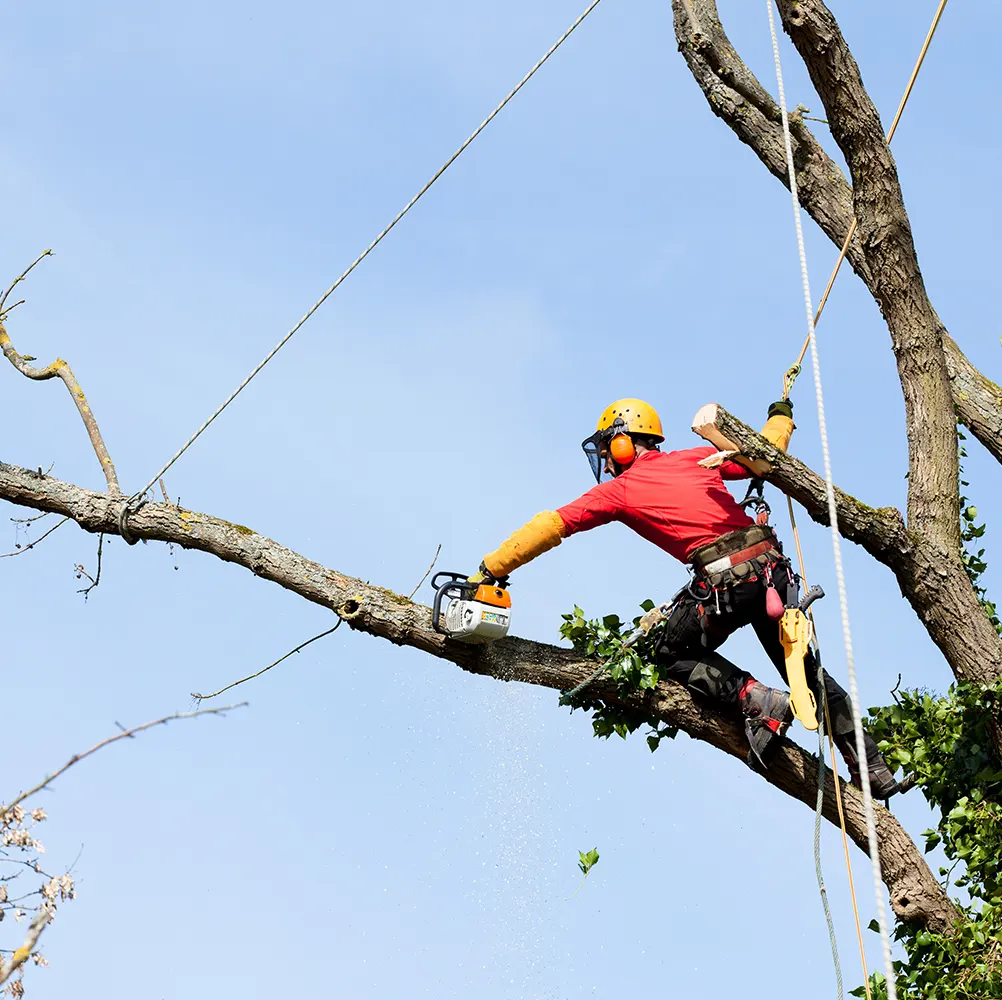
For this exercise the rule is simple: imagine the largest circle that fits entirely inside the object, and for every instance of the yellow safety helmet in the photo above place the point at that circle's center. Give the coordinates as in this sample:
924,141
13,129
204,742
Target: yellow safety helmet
618,421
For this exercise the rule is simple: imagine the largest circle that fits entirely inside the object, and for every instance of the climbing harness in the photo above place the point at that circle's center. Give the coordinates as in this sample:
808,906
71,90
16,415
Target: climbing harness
136,499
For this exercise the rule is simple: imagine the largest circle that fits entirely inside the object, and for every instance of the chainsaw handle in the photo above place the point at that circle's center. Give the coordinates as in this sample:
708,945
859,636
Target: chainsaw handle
455,585
452,578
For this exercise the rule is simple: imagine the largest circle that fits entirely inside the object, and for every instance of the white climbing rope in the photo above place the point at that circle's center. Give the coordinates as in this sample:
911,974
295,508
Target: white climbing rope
871,825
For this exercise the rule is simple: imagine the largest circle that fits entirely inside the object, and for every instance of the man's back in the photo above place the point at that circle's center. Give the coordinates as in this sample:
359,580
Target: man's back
667,498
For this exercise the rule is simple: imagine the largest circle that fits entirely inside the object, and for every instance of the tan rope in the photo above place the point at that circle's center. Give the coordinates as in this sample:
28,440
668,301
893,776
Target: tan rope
787,380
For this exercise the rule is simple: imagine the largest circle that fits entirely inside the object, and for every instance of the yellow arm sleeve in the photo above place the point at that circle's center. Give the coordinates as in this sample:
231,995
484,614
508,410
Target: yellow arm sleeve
543,532
778,430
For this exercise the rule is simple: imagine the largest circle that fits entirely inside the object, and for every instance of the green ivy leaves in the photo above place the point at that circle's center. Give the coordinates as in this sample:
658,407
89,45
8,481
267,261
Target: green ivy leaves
631,667
945,743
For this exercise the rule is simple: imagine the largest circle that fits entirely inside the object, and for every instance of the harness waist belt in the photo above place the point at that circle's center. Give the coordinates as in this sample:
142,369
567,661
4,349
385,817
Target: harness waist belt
726,562
735,548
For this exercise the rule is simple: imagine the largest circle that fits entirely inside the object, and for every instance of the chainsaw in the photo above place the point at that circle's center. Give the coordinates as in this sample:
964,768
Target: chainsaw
474,613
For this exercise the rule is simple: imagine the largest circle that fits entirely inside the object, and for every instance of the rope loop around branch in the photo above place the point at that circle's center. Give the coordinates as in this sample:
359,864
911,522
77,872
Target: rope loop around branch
123,522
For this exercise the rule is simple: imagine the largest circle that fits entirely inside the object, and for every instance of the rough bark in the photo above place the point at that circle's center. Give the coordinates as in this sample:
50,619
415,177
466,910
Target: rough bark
941,596
915,894
736,97
896,281
978,399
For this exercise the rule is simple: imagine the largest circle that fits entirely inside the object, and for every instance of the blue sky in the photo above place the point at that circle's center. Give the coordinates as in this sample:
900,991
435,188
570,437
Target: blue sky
378,822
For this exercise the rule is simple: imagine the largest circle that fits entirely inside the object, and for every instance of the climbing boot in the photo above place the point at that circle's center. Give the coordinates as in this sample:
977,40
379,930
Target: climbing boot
767,714
882,781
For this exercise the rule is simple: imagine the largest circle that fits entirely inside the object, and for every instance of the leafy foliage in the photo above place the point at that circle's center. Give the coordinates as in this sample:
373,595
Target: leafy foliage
946,743
631,667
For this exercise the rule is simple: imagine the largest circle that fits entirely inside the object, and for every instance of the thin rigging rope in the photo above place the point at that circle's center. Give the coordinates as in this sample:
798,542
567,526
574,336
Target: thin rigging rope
365,253
864,775
890,136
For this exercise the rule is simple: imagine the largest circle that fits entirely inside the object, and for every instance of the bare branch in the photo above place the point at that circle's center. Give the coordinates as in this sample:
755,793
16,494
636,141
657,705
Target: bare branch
61,370
978,399
199,698
124,734
96,579
379,612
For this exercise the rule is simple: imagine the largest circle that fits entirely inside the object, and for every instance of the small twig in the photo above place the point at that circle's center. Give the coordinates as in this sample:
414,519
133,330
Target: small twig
23,953
426,572
20,550
30,520
199,698
6,312
170,545
22,276
894,690
808,118
76,758
81,572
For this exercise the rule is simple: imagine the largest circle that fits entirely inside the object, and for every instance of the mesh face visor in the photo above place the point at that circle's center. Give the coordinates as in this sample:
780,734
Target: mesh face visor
592,447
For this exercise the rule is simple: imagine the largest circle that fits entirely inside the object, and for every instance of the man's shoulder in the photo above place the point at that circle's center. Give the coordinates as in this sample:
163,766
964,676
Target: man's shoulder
687,455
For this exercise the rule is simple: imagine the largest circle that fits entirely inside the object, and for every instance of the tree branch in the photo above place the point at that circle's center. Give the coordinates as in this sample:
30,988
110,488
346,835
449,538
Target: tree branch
61,370
22,954
915,893
896,281
123,735
978,399
938,591
736,96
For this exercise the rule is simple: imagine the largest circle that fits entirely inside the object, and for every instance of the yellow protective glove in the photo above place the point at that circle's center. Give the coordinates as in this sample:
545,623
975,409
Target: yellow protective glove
779,427
543,532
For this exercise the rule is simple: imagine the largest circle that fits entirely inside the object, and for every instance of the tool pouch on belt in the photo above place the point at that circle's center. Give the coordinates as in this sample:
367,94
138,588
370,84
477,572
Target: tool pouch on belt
737,557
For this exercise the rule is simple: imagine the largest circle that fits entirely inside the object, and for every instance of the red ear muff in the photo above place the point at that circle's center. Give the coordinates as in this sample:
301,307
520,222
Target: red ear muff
621,449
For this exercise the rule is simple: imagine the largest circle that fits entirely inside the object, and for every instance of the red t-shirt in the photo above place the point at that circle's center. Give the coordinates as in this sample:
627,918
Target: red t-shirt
666,497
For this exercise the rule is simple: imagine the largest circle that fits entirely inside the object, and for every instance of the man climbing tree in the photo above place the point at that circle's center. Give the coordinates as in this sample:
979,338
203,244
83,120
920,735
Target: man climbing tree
950,743
672,500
